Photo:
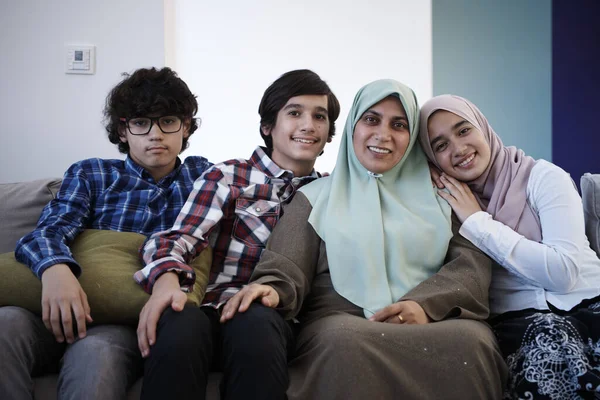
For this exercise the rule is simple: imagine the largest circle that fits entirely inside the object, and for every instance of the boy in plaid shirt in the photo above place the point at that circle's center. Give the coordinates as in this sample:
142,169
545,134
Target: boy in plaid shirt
234,207
150,117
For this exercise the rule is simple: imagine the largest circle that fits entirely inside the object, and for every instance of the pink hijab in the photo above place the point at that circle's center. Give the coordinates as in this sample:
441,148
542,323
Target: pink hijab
502,188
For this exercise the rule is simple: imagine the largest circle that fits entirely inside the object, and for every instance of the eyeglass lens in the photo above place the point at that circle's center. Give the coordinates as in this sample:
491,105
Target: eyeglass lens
143,125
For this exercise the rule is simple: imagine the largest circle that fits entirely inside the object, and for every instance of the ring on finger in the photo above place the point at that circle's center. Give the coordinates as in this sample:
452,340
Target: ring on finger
400,318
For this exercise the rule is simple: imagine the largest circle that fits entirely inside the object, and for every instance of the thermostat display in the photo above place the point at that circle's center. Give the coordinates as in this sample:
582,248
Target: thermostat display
80,60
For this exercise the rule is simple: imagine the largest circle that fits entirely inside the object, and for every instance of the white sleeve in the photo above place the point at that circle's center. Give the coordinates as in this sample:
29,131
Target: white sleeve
554,263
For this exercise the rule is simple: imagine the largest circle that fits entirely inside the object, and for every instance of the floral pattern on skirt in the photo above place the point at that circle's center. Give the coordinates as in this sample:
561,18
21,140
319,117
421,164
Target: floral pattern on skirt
551,354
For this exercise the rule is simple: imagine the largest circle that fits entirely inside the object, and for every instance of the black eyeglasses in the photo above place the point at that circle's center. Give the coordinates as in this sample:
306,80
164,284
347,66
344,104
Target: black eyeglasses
143,125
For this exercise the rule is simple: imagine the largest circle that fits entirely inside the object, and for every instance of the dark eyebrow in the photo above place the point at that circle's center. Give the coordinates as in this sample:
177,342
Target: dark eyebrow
293,105
459,124
401,118
435,140
398,118
453,128
300,106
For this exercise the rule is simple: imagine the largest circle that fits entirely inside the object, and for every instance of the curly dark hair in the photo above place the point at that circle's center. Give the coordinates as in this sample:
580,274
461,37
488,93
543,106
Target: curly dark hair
291,84
149,92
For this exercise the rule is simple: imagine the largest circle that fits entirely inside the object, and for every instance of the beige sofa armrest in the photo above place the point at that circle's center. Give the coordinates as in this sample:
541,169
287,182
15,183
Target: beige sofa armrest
590,194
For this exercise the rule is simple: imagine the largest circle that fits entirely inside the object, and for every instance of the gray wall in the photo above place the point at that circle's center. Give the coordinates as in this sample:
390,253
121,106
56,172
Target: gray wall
498,54
51,119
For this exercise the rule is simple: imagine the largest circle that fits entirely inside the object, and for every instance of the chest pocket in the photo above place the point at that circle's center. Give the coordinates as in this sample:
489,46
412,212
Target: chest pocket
254,221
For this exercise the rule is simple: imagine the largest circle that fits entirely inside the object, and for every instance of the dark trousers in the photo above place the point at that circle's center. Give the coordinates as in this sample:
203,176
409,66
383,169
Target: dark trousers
252,350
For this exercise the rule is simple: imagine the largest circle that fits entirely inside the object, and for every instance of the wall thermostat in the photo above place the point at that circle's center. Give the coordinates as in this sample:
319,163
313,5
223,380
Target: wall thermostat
80,59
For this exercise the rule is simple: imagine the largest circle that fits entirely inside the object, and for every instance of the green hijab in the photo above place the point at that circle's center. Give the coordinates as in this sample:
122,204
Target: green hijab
384,234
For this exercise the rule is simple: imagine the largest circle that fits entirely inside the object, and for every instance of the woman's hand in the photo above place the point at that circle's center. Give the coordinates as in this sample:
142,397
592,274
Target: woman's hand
461,198
402,312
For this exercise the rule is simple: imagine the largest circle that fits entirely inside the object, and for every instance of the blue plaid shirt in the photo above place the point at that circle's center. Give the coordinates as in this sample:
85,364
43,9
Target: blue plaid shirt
106,194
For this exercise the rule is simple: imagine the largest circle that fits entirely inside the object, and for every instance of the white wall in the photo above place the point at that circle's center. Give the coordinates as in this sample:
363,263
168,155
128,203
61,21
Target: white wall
230,52
51,119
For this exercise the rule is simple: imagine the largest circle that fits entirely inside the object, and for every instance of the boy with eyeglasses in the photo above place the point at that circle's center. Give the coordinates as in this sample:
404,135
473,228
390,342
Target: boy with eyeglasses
150,116
235,207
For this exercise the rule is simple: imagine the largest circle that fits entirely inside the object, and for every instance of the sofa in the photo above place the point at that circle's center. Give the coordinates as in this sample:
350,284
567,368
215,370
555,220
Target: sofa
21,204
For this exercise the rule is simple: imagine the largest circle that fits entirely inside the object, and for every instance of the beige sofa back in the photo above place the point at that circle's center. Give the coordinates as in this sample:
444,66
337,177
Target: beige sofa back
20,208
21,205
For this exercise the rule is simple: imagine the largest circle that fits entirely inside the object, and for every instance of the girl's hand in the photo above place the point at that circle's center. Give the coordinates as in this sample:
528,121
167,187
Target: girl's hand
461,198
435,174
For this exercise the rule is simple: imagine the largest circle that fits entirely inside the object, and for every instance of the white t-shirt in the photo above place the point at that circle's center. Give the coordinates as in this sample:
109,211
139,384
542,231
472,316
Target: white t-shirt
562,270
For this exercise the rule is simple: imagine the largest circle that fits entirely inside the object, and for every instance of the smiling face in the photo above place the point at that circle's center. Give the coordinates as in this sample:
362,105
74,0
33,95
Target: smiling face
300,132
156,152
381,135
459,147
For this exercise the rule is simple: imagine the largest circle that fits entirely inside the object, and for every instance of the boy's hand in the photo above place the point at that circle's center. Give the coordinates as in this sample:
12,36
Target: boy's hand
242,299
62,299
402,312
461,198
166,292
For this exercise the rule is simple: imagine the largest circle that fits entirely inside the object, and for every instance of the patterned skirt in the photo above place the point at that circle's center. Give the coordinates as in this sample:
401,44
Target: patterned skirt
551,354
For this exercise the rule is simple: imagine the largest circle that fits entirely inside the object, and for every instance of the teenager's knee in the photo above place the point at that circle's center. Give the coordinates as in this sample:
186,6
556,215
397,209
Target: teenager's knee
23,334
259,331
104,364
182,332
185,324
183,352
106,347
258,321
16,322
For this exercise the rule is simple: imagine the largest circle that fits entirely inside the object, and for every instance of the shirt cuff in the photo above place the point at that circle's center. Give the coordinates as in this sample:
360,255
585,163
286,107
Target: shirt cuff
147,277
470,228
48,262
490,236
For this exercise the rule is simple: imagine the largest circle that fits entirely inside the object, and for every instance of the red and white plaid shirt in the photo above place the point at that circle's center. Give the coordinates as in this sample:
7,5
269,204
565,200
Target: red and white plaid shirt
234,206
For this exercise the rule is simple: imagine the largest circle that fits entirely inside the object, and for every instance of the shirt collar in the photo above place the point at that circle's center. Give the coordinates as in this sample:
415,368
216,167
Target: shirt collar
261,159
140,171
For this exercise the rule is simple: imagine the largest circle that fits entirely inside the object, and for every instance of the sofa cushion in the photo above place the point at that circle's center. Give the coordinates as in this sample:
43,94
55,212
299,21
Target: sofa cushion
590,193
20,208
108,261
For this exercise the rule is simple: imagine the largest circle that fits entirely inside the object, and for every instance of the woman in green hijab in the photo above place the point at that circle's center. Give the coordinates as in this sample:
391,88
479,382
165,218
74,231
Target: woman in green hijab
389,300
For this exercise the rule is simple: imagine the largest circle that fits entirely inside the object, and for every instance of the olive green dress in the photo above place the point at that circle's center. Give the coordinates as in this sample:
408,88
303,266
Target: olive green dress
342,355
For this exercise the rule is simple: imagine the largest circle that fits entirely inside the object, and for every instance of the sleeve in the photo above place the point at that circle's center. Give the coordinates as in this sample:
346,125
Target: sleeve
289,262
460,288
62,219
554,263
174,249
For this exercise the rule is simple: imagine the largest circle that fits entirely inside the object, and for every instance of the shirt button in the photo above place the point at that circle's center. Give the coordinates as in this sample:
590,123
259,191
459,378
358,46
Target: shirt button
257,209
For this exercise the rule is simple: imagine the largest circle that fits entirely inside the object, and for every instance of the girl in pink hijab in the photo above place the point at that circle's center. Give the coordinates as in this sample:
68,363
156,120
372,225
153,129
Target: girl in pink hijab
527,216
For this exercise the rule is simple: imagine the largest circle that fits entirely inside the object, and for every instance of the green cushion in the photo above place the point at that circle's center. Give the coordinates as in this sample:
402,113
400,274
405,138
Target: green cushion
108,261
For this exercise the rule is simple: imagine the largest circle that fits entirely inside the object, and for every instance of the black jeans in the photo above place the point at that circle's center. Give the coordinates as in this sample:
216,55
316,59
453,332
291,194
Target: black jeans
252,350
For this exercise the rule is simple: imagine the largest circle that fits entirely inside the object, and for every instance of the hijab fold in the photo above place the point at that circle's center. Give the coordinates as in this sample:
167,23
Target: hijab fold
384,233
501,189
